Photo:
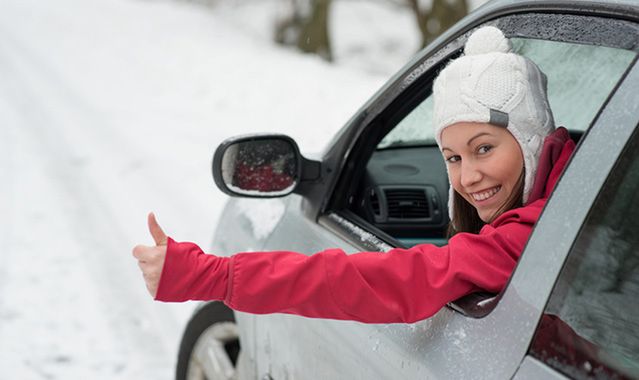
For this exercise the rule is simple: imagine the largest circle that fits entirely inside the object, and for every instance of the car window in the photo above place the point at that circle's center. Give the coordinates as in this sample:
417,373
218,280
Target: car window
414,129
580,78
405,190
589,328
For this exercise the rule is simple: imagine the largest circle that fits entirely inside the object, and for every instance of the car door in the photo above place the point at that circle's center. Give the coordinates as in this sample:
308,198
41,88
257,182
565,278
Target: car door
451,344
590,325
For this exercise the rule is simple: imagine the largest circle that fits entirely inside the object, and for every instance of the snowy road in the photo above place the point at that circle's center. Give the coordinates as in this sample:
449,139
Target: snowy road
71,305
110,109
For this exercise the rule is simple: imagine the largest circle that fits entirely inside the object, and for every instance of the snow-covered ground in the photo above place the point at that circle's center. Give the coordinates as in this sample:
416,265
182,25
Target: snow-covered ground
110,109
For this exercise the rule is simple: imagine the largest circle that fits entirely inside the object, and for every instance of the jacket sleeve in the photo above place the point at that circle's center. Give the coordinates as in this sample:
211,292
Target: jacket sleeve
401,285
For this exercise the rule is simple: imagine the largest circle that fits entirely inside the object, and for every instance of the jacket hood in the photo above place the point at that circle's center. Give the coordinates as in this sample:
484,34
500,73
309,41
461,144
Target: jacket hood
556,151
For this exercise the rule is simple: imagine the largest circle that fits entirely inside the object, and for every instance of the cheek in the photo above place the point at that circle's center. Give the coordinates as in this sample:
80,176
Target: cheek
512,172
510,165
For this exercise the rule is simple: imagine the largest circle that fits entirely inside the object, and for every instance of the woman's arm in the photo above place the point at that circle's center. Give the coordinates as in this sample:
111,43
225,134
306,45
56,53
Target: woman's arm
402,285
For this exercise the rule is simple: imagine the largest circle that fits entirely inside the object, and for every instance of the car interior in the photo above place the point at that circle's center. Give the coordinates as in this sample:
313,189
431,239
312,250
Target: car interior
405,193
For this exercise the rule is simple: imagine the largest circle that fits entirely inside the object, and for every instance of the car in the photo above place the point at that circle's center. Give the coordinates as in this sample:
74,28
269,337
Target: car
570,307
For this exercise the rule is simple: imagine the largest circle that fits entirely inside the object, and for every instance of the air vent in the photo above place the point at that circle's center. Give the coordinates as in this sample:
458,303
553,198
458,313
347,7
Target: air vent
374,199
407,203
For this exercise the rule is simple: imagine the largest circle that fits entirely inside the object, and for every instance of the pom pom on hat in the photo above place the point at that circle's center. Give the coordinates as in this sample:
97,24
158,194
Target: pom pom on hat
491,84
487,40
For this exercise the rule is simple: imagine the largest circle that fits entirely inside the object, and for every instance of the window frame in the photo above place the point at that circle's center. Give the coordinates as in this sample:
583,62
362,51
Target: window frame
415,86
409,87
405,91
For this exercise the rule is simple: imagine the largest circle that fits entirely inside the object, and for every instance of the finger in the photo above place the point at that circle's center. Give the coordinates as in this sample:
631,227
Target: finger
139,252
156,231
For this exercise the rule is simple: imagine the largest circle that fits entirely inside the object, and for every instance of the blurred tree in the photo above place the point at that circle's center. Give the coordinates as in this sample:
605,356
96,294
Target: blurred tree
441,15
305,25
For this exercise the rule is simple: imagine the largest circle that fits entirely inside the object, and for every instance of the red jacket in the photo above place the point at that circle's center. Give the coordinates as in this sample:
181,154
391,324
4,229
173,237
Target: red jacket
401,285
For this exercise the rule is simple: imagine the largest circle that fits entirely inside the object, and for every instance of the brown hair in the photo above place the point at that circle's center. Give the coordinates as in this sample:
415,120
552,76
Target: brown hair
465,217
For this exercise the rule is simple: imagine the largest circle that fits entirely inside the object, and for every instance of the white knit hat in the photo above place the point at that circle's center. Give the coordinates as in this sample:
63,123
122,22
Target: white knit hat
491,84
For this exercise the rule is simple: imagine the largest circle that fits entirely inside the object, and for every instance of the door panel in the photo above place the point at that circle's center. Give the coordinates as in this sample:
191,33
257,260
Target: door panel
298,347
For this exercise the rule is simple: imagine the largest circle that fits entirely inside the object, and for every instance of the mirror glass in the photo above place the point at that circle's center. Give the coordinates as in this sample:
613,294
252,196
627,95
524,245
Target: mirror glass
264,167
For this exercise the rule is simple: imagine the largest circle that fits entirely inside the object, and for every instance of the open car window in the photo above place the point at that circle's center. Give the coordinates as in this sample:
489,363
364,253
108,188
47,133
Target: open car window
404,191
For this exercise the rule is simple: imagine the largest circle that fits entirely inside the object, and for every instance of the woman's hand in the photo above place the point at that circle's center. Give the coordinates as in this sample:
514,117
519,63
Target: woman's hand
151,259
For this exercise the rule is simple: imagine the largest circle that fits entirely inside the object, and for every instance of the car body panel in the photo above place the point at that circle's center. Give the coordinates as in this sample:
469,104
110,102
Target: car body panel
297,347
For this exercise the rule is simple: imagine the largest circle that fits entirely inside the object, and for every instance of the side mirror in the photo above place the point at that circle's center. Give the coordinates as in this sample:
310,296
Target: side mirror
262,166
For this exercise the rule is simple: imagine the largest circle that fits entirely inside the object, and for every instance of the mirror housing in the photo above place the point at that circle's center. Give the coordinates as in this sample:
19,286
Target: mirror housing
261,166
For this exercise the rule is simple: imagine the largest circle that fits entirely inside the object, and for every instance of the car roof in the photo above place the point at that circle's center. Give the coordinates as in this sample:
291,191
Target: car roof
620,8
616,6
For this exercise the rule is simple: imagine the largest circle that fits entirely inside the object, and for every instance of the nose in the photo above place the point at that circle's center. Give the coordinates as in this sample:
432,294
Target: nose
470,173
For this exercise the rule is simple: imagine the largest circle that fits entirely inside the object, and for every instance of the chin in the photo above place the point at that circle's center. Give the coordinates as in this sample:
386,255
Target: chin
487,216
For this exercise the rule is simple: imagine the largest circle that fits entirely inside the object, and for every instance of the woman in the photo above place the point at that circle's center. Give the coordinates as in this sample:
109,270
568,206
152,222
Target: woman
503,155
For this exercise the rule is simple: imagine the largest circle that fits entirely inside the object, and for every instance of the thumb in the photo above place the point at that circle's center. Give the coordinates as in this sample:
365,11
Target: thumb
156,231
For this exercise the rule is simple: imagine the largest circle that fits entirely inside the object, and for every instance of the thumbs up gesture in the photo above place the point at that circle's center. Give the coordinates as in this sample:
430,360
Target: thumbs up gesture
151,259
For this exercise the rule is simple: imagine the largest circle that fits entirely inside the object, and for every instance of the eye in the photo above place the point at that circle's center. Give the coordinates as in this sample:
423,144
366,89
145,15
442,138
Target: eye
484,149
453,159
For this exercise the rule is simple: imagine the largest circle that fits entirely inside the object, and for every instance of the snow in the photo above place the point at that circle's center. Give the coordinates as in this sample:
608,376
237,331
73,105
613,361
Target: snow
262,214
260,193
111,109
364,236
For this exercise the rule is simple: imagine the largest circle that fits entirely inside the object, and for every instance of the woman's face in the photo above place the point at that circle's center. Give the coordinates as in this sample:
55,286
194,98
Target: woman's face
484,164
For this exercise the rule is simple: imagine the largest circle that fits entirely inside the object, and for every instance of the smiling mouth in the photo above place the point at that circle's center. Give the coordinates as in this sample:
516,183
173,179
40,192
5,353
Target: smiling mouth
484,195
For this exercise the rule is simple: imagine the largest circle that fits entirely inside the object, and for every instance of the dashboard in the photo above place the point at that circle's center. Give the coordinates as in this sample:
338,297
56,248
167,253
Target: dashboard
405,194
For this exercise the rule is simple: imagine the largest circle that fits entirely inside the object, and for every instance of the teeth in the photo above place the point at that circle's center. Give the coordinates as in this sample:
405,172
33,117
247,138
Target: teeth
485,194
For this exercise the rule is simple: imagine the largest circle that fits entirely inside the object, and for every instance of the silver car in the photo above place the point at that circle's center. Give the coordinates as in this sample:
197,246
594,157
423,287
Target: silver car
571,307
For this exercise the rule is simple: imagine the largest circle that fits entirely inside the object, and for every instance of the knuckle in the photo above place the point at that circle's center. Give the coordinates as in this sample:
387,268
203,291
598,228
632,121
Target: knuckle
137,251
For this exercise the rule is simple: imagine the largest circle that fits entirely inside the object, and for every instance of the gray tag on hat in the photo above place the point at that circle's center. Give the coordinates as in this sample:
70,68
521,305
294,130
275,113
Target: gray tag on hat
498,118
